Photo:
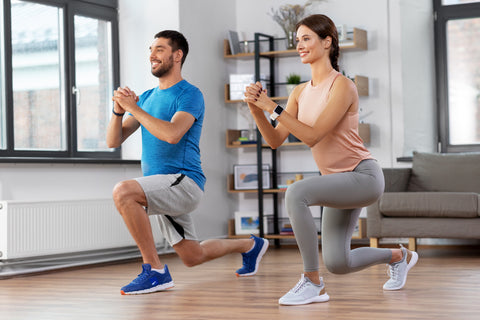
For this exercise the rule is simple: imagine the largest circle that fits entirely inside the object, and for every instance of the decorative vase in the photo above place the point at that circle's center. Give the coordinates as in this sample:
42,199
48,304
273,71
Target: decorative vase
291,40
290,88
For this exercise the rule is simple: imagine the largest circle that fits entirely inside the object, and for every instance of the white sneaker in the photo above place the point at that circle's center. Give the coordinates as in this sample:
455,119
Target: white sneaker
398,270
305,292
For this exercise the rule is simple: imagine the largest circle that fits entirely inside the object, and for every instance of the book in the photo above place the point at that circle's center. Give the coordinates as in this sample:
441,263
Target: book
234,42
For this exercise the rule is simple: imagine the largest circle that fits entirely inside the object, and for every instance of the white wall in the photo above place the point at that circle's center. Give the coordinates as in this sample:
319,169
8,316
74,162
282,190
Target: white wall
392,63
204,24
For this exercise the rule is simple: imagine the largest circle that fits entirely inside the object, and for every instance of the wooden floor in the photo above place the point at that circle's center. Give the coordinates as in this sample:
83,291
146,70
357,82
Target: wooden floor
445,284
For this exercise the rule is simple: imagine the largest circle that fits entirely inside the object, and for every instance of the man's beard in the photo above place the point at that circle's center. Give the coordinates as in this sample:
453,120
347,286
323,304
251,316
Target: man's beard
165,68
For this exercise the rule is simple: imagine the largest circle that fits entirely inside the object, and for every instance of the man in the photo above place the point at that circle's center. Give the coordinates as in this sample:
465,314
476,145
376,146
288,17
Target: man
171,118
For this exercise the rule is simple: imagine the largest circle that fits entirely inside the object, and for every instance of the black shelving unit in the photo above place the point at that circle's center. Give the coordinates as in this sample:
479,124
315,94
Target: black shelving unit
271,85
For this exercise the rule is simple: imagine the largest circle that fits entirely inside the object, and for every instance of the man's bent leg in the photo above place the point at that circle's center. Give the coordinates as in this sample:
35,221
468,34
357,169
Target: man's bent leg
194,253
130,201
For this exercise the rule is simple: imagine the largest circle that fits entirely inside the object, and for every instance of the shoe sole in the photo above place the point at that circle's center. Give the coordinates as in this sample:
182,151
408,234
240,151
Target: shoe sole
160,287
259,257
413,262
322,298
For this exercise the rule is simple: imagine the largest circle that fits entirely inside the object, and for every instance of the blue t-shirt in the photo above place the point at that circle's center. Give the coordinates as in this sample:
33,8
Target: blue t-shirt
160,157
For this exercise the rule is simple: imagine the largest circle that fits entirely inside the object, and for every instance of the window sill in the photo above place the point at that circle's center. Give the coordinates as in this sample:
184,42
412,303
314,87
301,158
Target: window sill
66,160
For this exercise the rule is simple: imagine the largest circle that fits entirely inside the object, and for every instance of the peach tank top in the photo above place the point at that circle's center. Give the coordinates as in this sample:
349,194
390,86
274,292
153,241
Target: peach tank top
342,149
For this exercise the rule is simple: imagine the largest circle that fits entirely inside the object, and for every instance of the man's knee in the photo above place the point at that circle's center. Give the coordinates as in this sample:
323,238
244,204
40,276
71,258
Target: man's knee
120,190
190,252
127,190
191,261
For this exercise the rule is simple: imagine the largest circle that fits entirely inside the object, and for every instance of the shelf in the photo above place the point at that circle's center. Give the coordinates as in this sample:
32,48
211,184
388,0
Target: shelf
361,83
227,96
359,42
231,188
362,232
232,135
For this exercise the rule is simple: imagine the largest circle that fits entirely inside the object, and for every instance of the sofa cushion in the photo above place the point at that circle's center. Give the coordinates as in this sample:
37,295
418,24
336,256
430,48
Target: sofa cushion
430,204
456,172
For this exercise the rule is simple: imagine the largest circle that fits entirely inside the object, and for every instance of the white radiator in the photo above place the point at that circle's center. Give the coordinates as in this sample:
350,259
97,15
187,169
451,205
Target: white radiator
32,229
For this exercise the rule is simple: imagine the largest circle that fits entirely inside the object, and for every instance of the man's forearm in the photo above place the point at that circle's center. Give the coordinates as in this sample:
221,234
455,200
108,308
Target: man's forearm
114,132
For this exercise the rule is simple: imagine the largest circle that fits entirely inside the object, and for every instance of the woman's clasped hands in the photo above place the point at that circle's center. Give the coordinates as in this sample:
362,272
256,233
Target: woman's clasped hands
257,96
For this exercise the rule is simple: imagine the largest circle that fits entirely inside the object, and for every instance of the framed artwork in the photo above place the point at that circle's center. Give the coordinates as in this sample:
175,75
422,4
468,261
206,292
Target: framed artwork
248,223
246,177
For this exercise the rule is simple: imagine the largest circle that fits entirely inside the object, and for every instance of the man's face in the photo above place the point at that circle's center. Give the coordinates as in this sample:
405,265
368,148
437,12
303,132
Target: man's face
161,57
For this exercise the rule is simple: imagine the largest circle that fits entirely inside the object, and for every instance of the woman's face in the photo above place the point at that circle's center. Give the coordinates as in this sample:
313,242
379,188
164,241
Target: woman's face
310,46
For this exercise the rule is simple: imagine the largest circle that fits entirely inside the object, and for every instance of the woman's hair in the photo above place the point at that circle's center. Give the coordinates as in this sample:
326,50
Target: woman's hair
323,26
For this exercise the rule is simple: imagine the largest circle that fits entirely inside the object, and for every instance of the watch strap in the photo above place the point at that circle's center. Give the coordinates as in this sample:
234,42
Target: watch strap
276,112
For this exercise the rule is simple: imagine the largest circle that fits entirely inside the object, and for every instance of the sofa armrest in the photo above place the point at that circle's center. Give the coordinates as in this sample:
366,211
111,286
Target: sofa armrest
396,179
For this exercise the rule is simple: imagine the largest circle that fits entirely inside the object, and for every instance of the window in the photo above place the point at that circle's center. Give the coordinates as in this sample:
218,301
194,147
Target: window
457,29
63,68
3,131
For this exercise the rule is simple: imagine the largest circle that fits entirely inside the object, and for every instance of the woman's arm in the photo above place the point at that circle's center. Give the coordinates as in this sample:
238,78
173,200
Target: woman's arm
274,136
343,98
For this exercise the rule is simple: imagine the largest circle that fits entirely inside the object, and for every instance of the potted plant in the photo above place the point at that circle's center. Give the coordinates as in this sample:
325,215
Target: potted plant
293,80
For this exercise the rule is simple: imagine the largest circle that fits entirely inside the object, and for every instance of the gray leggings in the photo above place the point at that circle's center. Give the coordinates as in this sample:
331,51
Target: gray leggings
342,195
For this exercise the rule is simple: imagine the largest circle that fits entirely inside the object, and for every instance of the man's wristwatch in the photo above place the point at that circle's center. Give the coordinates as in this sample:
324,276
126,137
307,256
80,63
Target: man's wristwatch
276,112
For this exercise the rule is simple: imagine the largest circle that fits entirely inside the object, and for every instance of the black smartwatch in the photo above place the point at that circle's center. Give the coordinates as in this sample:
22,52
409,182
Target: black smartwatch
276,112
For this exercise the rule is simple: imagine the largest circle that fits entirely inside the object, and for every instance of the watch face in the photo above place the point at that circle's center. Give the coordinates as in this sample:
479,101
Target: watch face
278,109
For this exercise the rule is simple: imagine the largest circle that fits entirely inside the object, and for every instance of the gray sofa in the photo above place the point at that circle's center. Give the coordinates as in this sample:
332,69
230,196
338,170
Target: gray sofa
438,197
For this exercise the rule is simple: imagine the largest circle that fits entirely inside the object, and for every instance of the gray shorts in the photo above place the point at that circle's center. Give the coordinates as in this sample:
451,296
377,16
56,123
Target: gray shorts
172,197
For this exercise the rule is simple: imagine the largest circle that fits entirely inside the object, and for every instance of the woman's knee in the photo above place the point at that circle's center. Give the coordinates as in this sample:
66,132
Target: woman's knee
294,196
336,265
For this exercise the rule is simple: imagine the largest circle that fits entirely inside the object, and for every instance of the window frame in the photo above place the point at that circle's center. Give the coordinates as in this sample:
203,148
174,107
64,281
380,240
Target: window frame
442,14
97,9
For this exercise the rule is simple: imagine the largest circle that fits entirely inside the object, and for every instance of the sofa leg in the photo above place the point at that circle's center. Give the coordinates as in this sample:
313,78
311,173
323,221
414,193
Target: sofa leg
412,244
374,242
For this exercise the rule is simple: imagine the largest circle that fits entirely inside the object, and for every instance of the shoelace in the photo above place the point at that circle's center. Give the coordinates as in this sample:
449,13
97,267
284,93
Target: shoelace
299,286
142,276
393,271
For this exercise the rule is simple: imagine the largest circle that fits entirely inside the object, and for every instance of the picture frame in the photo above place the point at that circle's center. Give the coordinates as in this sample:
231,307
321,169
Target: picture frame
245,176
248,223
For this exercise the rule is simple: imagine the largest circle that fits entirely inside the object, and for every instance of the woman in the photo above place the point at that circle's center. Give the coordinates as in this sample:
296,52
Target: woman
323,113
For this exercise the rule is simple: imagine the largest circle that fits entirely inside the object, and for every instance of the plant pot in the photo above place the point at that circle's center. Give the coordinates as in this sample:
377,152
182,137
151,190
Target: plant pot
290,88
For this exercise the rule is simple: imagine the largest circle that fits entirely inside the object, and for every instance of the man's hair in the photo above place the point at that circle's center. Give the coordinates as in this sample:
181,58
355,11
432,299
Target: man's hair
176,40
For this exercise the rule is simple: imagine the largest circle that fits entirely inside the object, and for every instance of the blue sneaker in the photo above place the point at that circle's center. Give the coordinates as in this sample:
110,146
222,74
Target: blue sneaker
252,258
149,281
